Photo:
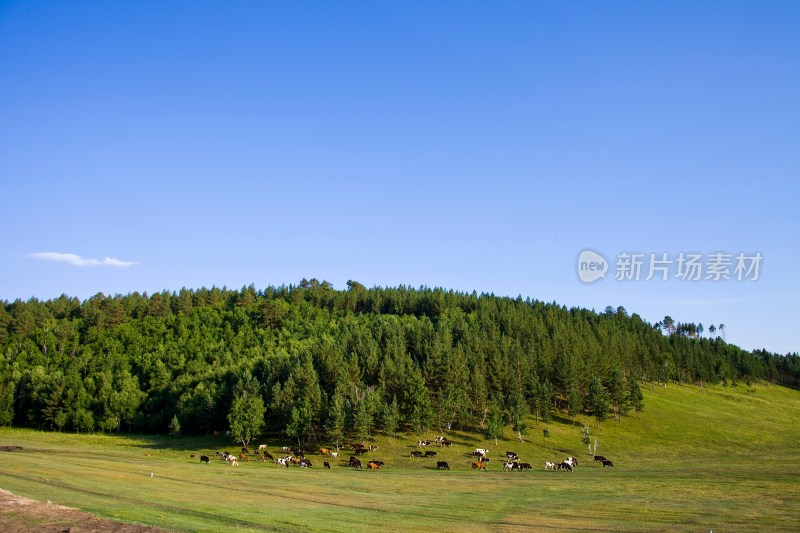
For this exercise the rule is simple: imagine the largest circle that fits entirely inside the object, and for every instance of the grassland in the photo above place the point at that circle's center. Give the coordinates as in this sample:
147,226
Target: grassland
715,458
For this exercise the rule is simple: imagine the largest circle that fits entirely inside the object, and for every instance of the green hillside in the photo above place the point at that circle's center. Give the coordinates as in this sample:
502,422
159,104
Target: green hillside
314,362
712,458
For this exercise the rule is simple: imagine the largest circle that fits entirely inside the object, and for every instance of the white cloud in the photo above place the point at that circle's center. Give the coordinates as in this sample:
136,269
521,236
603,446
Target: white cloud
74,259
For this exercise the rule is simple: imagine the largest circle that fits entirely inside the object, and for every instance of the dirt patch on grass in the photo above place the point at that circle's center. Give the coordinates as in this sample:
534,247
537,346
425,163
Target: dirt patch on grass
18,514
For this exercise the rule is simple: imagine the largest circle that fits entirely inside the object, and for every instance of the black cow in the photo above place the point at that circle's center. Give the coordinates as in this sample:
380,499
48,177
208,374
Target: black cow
327,465
268,455
524,466
305,463
599,458
355,463
606,463
416,454
442,465
204,459
565,466
430,454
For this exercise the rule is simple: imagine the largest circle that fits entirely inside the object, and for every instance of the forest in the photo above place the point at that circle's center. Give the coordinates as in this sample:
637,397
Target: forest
308,361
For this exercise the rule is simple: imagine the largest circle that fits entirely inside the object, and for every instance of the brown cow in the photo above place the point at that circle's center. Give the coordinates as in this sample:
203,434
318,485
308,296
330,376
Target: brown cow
324,451
478,465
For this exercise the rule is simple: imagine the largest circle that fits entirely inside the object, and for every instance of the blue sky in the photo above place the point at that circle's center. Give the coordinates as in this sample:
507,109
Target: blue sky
470,145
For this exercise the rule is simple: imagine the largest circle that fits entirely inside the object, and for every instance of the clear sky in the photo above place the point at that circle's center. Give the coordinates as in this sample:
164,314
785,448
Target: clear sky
468,145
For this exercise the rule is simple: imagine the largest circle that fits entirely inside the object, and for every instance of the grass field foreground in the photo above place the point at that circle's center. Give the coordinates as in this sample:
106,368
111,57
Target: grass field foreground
698,459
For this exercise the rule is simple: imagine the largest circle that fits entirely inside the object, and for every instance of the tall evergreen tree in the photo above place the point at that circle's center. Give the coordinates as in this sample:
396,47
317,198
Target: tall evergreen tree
597,401
634,395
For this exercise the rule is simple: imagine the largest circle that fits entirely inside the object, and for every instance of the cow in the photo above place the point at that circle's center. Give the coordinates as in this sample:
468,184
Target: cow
360,451
480,452
416,454
572,461
430,454
511,456
606,463
245,450
234,462
372,447
334,454
282,461
374,465
509,465
442,465
267,455
599,458
444,442
477,465
357,445
325,451
305,463
549,466
421,443
355,464
565,466
262,447
326,465
524,466
204,459
483,459
243,457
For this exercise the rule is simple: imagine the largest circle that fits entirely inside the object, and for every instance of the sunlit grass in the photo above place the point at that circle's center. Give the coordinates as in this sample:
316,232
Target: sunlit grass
698,459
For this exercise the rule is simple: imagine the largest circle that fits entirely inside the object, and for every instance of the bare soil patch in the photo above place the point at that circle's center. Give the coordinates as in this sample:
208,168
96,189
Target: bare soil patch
18,514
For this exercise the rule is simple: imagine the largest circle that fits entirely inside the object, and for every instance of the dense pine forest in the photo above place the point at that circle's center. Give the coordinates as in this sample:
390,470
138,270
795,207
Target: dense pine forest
312,362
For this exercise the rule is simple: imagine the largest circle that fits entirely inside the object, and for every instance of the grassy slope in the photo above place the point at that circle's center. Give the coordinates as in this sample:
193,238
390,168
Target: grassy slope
714,458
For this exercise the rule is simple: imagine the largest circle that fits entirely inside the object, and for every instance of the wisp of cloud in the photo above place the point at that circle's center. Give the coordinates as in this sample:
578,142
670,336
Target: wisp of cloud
75,259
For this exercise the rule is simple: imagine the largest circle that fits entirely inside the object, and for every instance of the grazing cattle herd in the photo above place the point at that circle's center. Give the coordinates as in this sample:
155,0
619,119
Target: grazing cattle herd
478,458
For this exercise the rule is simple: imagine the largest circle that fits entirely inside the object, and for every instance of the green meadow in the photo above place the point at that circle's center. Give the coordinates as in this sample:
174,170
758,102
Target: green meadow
698,459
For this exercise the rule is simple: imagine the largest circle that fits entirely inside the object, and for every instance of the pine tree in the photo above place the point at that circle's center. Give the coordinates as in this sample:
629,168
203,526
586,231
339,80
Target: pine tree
518,415
391,417
362,420
597,401
175,426
494,422
616,391
574,402
634,396
335,425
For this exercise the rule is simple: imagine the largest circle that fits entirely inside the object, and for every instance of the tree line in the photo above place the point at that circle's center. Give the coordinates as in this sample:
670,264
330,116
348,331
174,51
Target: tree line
309,361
